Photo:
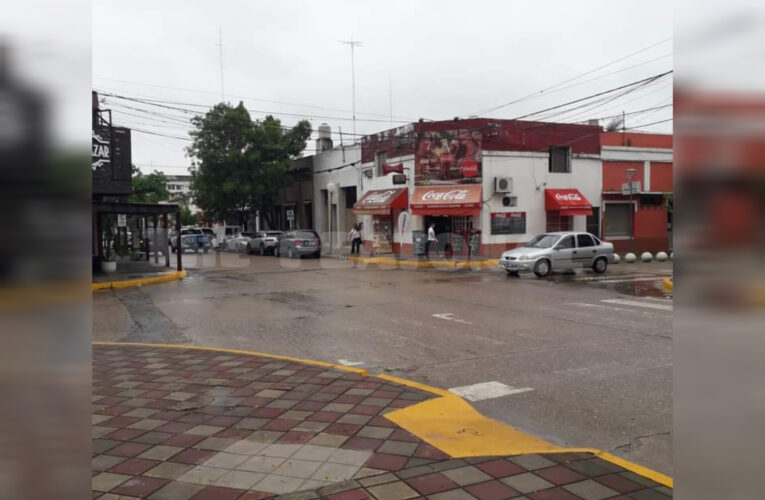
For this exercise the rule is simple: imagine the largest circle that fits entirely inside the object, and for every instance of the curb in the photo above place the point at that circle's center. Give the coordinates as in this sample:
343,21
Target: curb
425,264
449,423
668,284
164,278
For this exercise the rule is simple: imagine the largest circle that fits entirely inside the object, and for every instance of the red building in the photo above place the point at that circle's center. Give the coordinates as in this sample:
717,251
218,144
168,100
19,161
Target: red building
641,222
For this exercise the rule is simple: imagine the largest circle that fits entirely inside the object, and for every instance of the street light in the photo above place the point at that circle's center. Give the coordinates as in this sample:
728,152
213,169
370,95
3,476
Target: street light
631,172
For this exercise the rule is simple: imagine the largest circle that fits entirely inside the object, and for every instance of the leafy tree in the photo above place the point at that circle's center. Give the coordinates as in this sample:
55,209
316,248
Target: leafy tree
150,188
614,125
240,165
188,218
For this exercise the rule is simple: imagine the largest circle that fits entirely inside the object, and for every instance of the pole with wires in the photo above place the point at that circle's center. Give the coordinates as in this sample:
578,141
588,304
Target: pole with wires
353,44
220,53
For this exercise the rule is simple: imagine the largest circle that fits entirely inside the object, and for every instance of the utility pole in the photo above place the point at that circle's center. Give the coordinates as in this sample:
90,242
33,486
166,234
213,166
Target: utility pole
353,44
220,47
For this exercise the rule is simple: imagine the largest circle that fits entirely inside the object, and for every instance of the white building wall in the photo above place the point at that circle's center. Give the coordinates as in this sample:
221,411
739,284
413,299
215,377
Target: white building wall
349,176
530,175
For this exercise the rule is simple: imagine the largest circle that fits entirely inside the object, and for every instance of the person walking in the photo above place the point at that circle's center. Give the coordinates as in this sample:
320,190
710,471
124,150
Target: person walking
355,237
432,240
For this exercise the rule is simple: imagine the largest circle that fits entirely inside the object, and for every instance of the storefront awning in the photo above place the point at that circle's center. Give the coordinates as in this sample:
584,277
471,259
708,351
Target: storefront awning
381,201
567,202
447,200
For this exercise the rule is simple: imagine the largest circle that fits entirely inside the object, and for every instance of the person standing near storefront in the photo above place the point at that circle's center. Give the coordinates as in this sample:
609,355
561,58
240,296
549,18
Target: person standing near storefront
431,239
355,237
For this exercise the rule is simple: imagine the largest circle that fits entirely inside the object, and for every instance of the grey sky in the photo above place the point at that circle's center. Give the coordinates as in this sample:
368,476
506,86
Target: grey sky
444,58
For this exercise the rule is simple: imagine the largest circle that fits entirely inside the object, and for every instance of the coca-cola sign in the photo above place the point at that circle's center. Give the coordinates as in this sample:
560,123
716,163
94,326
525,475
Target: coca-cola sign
378,197
568,197
453,195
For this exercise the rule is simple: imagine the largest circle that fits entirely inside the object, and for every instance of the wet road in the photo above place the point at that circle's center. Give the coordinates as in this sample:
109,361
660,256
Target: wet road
579,359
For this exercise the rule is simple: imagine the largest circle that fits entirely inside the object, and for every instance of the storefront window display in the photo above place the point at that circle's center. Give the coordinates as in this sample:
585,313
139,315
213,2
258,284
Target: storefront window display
382,234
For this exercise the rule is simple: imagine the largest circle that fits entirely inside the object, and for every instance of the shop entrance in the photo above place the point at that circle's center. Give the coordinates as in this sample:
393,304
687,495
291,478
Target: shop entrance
453,233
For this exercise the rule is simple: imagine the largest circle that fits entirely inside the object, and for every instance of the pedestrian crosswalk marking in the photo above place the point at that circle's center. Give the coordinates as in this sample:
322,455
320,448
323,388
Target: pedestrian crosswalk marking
487,390
629,280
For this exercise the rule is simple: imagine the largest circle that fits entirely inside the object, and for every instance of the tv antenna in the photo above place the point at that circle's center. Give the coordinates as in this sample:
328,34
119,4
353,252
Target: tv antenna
353,44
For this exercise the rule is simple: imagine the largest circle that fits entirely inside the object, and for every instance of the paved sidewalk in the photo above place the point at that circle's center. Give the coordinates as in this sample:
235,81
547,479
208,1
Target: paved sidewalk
180,423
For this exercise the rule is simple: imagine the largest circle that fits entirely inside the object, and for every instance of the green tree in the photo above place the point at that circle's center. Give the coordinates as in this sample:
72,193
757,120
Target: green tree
240,165
188,218
150,188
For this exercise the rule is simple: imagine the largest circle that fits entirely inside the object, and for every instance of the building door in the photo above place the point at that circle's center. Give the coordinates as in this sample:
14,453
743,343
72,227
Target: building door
308,208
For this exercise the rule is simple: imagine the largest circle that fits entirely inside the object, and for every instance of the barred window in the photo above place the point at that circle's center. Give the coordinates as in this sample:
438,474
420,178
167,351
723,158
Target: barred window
560,160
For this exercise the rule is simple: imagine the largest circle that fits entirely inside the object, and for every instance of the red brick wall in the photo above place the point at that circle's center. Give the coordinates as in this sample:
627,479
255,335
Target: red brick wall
614,175
661,177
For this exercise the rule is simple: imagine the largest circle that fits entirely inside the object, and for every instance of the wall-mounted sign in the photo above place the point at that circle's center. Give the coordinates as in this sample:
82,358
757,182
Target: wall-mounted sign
508,223
399,179
630,188
102,150
121,220
448,157
398,168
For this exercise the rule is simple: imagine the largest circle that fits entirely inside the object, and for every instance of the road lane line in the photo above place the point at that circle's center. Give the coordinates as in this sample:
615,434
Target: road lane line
450,317
487,390
635,303
615,276
630,280
346,362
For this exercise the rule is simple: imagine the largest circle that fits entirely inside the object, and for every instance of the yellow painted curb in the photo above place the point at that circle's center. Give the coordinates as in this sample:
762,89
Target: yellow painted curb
164,278
668,284
449,423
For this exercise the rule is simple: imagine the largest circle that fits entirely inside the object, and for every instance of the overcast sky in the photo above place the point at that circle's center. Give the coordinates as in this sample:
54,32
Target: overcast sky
441,59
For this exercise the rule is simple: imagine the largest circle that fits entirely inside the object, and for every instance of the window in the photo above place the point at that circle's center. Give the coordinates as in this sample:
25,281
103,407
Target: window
558,222
617,220
567,242
380,159
560,160
584,240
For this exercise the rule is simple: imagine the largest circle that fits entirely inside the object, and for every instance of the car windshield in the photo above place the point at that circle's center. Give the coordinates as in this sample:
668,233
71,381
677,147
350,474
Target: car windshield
306,234
249,235
543,241
208,231
273,233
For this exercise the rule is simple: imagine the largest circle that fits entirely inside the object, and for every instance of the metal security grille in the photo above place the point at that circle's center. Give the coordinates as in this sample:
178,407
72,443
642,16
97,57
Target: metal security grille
560,160
463,222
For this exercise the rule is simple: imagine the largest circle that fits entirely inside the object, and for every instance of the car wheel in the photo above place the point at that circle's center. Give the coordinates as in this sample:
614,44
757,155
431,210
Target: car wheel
262,249
276,251
290,254
600,265
249,249
512,273
542,268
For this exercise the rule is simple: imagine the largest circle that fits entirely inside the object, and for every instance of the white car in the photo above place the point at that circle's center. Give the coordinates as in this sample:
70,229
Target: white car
240,242
558,251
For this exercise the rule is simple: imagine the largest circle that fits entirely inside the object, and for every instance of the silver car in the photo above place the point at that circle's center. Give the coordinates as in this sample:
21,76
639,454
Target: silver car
264,242
558,251
298,243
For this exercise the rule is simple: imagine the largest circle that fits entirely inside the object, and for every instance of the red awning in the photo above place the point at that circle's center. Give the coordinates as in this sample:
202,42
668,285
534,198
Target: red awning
381,201
567,202
447,200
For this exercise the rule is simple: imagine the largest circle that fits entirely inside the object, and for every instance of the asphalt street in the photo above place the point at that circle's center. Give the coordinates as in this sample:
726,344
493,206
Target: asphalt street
578,359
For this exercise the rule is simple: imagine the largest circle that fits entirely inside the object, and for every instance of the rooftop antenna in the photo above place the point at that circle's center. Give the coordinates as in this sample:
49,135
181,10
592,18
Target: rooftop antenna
390,95
220,46
353,44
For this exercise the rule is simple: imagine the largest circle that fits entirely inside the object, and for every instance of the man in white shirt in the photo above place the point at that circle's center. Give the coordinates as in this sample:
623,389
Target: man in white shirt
431,238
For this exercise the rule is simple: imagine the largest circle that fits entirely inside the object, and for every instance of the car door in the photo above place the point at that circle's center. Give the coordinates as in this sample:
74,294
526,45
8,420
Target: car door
585,250
563,253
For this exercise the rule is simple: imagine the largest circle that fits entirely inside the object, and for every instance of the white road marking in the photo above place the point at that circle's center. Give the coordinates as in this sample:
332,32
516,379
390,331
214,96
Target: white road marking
615,276
659,299
638,304
450,317
487,390
629,280
350,363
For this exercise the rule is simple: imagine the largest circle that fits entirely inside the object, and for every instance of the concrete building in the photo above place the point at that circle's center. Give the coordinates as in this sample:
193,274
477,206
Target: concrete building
487,185
648,160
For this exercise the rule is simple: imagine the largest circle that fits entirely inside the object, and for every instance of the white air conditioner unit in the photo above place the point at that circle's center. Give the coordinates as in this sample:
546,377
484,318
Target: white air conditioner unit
368,173
503,184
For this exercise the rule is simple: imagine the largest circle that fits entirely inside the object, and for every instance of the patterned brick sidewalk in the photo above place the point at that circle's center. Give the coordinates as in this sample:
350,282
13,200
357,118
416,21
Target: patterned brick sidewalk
179,424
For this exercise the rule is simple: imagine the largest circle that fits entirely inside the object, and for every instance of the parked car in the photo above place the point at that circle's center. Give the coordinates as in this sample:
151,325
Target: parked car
558,251
191,238
226,233
240,242
264,242
211,237
298,243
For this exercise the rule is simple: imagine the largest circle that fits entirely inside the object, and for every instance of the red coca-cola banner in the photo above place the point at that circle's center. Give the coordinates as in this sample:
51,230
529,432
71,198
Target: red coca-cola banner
455,200
398,168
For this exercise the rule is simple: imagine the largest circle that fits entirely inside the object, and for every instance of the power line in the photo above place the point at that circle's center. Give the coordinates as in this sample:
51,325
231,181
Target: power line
539,92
